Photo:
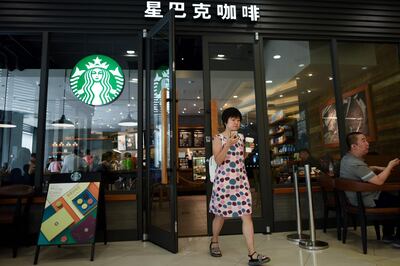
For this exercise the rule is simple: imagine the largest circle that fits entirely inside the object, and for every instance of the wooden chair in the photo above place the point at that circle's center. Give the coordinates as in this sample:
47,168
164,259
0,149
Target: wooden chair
331,202
21,196
363,213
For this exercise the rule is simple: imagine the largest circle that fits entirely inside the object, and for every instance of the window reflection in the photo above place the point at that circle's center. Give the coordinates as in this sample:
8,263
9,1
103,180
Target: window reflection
302,119
369,75
81,134
19,97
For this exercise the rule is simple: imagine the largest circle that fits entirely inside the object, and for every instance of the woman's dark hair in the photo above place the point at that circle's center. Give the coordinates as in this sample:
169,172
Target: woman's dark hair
230,112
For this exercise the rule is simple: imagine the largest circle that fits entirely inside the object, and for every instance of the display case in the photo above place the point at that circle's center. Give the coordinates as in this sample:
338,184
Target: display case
199,168
282,142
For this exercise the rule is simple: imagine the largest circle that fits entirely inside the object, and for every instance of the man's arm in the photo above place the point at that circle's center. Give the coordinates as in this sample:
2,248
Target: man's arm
377,168
382,176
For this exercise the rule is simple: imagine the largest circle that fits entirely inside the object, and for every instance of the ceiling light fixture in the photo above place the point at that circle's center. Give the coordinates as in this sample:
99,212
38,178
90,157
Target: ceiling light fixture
310,74
4,123
220,55
268,81
301,65
277,56
63,122
131,53
235,96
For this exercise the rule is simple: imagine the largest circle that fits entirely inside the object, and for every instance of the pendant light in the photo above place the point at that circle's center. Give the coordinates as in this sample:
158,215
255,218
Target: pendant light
4,123
63,122
128,121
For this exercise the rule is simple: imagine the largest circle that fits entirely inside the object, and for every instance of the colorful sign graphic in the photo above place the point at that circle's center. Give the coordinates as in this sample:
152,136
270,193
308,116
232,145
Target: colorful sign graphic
97,80
70,214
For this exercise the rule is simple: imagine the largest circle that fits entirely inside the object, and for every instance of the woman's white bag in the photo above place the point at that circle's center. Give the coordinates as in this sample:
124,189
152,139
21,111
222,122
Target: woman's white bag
212,167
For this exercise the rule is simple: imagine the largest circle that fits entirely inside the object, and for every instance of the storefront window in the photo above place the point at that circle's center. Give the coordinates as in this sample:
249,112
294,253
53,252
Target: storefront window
91,116
302,118
20,57
370,78
87,129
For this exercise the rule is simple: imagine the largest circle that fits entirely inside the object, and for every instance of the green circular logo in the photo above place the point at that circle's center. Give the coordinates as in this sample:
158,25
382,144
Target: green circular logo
97,80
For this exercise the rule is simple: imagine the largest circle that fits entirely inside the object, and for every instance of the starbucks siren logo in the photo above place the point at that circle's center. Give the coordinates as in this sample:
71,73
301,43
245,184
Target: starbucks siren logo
97,80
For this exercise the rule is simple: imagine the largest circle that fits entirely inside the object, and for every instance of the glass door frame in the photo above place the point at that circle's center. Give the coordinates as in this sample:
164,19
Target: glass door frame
165,239
263,224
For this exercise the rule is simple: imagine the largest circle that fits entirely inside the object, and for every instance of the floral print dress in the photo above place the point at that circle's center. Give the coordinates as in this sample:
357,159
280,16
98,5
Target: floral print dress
231,195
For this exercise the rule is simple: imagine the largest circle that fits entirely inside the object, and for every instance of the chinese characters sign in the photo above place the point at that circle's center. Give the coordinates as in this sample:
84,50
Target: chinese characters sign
203,11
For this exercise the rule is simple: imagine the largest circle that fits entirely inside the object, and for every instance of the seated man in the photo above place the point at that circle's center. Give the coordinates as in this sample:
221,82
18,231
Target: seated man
352,166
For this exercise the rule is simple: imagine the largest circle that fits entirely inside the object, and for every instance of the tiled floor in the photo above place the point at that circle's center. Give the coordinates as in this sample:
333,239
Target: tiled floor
194,251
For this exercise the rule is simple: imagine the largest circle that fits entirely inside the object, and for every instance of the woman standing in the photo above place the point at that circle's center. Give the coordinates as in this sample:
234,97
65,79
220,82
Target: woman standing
231,195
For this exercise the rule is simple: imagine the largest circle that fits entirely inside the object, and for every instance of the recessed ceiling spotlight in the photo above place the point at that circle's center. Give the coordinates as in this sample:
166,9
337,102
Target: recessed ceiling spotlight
281,96
184,109
268,81
199,112
235,96
182,58
277,56
190,81
251,123
183,112
364,68
198,97
310,74
309,91
301,65
220,55
194,104
330,78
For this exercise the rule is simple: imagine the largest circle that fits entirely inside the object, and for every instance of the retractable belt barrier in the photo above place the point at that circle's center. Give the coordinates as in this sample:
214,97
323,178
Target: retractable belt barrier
311,244
297,237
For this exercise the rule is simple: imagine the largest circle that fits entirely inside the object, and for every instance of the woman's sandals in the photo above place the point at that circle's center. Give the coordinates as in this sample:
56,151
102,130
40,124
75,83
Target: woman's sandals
258,260
214,249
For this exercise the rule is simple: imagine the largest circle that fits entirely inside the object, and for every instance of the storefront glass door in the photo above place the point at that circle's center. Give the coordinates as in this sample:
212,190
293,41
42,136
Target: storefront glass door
161,220
232,79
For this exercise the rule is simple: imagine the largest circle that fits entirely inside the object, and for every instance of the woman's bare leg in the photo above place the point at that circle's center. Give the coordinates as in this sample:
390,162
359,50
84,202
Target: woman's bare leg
248,232
217,224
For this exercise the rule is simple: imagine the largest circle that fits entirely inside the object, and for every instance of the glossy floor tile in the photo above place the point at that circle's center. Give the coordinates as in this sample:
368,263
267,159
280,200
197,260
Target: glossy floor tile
194,251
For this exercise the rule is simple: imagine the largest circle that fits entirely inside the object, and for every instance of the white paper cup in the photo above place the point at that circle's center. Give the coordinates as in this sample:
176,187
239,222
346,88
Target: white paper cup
249,140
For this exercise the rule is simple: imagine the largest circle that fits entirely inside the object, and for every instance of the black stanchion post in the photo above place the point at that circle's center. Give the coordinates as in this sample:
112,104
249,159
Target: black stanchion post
311,244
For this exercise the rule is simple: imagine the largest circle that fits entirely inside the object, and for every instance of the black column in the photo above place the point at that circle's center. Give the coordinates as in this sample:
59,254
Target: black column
40,144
